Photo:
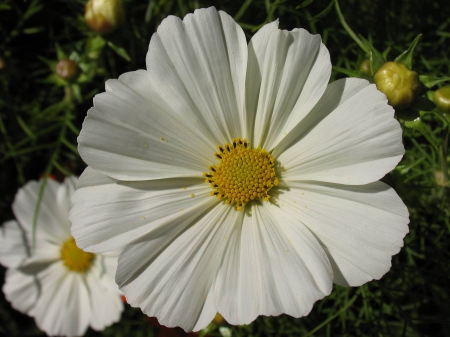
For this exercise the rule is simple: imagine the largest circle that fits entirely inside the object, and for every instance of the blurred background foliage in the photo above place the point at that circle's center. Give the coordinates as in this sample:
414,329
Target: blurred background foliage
41,114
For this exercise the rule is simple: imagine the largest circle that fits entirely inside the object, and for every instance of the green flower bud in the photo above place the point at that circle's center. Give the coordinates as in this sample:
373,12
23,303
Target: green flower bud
442,99
398,83
364,66
104,16
66,69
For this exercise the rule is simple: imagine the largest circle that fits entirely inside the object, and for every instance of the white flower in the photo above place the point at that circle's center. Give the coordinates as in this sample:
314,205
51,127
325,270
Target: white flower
63,288
321,150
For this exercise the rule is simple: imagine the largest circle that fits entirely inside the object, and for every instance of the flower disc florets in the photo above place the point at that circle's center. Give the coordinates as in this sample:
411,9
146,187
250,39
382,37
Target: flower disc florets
74,258
243,173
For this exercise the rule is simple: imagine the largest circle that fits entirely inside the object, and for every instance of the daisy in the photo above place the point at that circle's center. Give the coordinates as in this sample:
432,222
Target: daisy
236,179
64,288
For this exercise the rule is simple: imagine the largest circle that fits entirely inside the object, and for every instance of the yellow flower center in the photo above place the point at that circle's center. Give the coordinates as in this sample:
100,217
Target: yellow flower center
243,174
74,258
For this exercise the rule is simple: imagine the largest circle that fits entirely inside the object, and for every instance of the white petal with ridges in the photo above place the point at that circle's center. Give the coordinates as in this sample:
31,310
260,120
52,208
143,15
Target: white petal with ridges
109,214
105,302
350,137
272,265
63,307
198,66
21,290
13,244
360,227
288,72
170,271
52,223
127,137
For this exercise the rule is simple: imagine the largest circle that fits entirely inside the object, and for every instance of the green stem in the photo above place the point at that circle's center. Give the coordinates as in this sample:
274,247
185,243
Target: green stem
348,29
329,319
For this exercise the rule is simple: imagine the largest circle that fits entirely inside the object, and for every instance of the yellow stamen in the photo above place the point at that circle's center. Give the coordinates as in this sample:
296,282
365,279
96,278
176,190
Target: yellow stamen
74,258
243,174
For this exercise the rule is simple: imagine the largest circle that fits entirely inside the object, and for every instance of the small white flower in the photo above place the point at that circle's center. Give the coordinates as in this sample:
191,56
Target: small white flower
64,288
296,203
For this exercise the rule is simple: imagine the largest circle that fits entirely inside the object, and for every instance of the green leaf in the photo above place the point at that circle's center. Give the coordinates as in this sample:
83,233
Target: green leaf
418,125
431,81
407,56
120,51
423,103
353,73
60,54
376,59
403,169
210,328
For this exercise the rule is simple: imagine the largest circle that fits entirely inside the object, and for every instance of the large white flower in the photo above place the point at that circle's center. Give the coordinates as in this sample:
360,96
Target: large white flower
63,288
295,201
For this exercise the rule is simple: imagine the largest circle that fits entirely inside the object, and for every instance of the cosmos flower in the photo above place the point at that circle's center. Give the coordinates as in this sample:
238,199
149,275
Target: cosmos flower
236,179
64,288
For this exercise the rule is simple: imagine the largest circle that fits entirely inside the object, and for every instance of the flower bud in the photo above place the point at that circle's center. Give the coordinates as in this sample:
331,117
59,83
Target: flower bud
398,83
104,16
2,63
66,69
442,99
364,66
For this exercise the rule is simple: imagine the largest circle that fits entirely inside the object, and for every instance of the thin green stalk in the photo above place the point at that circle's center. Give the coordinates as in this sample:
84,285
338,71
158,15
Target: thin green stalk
444,154
329,319
47,172
11,148
348,29
242,9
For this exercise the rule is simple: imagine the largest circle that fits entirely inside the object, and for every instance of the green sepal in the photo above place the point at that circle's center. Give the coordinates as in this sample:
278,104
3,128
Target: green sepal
56,80
60,54
354,73
423,103
376,59
95,44
120,51
417,124
407,56
431,81
50,63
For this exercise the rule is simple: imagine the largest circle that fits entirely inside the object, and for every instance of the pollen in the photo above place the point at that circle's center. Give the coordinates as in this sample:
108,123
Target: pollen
243,174
74,258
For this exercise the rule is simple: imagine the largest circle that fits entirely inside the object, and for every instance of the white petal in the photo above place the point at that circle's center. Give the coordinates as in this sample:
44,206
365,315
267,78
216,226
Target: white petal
272,265
109,214
53,223
169,272
198,66
21,290
288,72
129,137
350,137
360,227
13,244
63,307
106,304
